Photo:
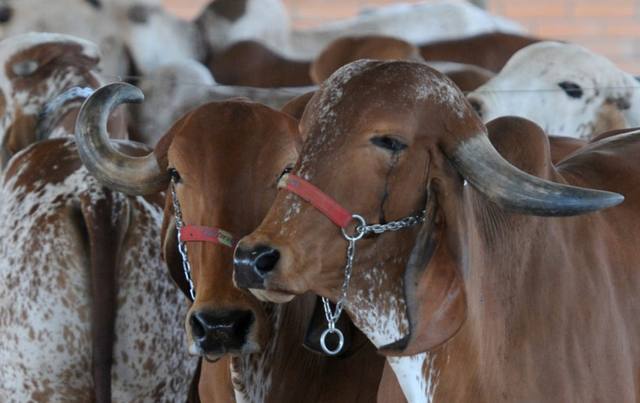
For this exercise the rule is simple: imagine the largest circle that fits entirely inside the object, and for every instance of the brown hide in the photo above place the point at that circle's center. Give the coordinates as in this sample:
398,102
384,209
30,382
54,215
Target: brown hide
490,51
251,64
493,305
242,147
348,49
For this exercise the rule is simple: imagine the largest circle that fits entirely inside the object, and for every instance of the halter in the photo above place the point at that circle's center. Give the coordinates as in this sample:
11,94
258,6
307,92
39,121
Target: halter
342,218
195,233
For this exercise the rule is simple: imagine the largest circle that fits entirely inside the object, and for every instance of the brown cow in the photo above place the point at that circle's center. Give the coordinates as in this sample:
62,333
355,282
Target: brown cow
348,49
251,64
490,51
225,159
477,297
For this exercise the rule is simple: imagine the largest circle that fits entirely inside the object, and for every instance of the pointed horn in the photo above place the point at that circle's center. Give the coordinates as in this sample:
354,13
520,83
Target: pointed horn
130,175
480,163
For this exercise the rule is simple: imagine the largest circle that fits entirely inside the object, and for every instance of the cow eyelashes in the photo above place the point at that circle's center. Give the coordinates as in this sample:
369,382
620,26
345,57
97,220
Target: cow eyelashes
285,171
175,176
572,89
388,143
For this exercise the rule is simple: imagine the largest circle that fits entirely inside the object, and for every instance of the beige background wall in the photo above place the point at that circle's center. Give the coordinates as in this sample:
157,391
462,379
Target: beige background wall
610,27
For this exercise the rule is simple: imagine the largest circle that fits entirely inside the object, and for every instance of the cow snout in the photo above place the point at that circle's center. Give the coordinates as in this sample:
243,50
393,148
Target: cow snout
253,265
220,332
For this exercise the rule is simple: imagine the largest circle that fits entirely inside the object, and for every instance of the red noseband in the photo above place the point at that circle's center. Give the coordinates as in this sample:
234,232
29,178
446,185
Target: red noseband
197,233
321,201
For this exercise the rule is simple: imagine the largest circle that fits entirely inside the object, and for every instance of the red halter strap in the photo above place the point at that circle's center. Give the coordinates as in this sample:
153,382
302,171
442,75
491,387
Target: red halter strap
321,201
197,233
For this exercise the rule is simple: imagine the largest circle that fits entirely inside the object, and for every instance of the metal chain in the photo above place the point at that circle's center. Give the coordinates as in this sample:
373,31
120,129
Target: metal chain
361,230
182,247
394,225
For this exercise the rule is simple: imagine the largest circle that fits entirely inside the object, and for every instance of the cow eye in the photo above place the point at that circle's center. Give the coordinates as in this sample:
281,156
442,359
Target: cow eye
389,143
175,176
285,171
572,89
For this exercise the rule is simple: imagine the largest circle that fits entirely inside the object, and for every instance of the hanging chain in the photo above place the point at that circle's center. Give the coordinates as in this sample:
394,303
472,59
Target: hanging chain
361,230
182,247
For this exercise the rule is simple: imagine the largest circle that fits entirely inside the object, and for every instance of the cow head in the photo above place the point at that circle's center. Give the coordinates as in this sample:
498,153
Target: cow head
565,88
388,140
225,159
37,68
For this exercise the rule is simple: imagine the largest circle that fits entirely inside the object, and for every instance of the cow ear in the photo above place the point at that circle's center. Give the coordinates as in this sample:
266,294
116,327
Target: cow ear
318,324
434,290
170,253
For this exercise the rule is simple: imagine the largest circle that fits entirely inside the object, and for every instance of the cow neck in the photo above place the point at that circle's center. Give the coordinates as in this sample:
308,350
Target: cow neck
194,233
341,217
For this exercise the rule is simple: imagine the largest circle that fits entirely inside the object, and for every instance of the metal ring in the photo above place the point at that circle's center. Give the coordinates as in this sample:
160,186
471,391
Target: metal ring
359,234
323,342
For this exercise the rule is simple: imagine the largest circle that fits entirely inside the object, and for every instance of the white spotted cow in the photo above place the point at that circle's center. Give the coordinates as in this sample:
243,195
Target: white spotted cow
565,88
87,309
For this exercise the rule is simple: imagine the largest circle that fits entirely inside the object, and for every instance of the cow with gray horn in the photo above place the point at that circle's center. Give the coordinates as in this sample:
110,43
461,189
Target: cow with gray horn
482,271
241,147
86,313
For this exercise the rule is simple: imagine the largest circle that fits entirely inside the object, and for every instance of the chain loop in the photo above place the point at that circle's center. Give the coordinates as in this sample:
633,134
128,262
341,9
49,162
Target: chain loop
182,247
361,230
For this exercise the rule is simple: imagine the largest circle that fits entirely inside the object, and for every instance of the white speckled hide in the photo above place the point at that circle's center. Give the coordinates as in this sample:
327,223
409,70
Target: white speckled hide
45,304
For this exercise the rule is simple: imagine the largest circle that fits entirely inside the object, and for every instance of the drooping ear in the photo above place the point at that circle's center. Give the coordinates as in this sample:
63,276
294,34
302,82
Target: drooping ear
434,290
170,253
318,324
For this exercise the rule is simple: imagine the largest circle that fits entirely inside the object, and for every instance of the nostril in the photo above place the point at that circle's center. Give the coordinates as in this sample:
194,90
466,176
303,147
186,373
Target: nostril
197,327
242,324
266,260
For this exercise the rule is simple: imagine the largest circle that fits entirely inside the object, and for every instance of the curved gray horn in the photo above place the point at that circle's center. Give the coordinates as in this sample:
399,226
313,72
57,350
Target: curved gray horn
480,163
131,175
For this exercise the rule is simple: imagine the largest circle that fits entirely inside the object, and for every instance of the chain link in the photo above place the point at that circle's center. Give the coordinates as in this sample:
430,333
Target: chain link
182,247
393,225
361,230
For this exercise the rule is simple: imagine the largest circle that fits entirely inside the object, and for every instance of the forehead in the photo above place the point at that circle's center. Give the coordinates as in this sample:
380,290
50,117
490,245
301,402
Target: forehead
370,90
231,134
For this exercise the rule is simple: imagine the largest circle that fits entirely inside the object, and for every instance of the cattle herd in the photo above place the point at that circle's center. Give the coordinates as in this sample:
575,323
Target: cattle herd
422,203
